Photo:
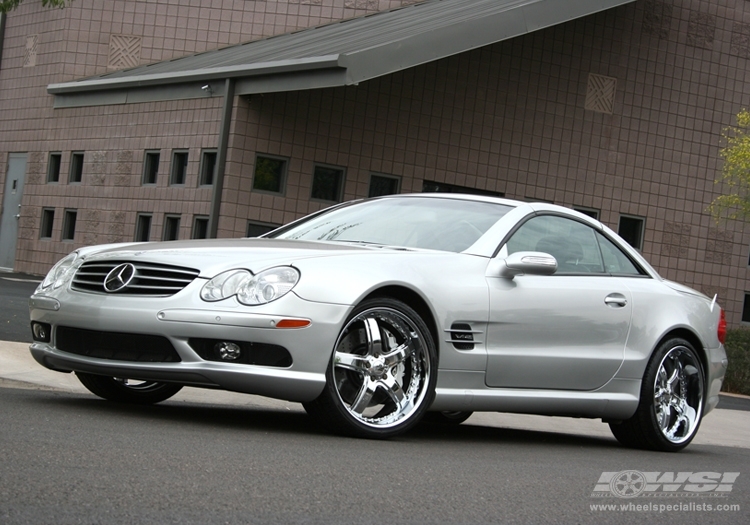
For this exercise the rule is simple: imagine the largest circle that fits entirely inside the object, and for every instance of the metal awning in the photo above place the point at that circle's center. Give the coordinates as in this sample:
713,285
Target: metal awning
338,54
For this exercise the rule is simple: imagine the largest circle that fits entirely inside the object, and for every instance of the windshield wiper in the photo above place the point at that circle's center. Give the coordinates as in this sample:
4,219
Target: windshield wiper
372,244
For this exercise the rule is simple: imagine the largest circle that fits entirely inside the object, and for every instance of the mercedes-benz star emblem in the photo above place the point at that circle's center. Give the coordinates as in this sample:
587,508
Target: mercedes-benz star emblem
119,277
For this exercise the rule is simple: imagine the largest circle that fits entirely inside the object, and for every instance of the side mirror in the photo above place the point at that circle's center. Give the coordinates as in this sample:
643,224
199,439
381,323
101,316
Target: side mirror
532,263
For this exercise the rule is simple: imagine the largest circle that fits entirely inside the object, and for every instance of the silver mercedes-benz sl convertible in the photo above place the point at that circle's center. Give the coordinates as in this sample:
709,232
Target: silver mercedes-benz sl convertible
379,313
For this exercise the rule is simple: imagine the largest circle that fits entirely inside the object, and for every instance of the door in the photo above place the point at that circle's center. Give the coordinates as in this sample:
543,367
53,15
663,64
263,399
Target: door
565,331
11,209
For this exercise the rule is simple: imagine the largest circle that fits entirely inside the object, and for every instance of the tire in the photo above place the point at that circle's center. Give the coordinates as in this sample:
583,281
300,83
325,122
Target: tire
446,418
382,373
670,409
127,390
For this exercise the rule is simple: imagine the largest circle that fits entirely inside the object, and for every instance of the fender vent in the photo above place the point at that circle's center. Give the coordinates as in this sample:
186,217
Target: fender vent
462,336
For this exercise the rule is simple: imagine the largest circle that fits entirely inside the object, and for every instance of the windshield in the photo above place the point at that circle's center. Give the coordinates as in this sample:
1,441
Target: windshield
415,222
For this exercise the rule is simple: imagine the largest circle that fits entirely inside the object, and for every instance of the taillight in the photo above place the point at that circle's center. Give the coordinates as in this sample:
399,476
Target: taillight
722,330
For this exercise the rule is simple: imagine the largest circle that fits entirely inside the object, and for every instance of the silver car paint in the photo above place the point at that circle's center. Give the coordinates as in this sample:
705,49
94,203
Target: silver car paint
454,287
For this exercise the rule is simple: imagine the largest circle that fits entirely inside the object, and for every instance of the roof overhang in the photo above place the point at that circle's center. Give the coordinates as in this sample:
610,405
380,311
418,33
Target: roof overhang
338,54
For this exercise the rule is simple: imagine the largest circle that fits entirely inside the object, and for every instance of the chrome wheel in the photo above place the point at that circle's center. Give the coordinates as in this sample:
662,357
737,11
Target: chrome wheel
678,395
382,372
380,367
671,401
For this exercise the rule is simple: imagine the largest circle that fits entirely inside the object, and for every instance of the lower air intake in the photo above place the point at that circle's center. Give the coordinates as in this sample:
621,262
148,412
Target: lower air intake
116,346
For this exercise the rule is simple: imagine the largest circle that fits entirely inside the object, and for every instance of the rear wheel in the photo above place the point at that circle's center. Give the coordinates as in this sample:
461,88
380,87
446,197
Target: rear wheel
671,405
128,390
382,373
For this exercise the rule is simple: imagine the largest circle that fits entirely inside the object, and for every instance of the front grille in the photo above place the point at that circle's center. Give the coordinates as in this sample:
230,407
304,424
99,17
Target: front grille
150,278
116,346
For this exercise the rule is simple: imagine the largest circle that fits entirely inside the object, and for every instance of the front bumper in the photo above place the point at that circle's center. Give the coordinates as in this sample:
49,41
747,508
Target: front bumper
183,317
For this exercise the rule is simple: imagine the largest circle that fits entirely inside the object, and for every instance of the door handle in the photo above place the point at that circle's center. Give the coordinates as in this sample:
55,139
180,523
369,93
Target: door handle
616,300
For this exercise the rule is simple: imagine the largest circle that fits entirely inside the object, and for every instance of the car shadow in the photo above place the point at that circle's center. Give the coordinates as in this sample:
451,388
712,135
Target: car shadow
297,422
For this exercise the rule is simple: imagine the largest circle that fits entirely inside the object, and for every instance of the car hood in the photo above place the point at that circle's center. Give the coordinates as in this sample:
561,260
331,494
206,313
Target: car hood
213,256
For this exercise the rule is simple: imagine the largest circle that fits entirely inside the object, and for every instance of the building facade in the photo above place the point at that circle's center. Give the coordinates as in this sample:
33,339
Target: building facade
618,112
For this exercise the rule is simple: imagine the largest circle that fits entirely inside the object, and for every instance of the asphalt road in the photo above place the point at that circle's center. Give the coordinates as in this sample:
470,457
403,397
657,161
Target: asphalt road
70,459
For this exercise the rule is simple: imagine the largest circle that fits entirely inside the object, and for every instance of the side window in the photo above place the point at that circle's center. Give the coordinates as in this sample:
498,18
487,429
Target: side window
572,243
615,261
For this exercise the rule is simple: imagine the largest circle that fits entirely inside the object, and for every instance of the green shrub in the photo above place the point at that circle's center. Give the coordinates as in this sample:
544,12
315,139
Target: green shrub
737,380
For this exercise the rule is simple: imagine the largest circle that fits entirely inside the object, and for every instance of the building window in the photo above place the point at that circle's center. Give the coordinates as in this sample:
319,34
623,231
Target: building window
69,225
591,212
383,185
270,173
746,309
76,167
143,227
53,167
200,227
328,183
256,229
48,220
150,167
179,168
208,167
631,229
429,186
171,228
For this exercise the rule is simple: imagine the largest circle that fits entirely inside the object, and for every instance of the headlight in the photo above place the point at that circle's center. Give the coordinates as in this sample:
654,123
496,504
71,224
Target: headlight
251,289
59,274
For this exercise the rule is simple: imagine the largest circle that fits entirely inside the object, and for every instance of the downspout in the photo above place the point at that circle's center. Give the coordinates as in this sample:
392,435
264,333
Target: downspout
221,161
2,36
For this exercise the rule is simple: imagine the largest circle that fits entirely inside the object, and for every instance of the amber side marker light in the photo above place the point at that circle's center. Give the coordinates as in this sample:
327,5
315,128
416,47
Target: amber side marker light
293,323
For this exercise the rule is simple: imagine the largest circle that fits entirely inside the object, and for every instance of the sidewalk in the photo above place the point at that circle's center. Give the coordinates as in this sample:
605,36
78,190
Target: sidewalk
19,370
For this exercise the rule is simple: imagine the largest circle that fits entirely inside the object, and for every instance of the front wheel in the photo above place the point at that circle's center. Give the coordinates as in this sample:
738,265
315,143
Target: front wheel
671,405
382,373
128,390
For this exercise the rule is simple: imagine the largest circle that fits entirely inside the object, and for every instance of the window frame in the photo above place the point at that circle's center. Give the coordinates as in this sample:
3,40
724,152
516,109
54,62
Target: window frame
47,223
589,212
148,165
445,187
341,182
502,250
75,170
54,168
171,222
139,219
283,175
70,218
178,170
196,220
745,308
394,178
641,233
202,175
270,225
